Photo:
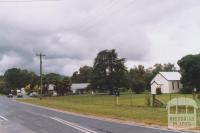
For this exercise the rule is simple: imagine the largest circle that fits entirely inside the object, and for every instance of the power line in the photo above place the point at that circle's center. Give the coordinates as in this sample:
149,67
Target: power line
103,15
114,11
100,15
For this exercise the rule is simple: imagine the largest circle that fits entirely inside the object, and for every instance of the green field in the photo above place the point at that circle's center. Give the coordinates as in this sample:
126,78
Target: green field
130,107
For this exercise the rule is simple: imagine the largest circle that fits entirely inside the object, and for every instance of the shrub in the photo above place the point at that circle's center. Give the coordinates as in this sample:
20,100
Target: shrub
198,96
5,91
138,86
186,90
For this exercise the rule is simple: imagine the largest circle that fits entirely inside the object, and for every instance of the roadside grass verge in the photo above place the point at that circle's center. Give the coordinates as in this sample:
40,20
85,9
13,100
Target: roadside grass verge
130,107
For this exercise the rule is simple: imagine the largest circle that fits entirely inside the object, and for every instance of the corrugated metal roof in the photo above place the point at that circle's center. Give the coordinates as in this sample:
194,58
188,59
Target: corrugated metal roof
171,75
79,86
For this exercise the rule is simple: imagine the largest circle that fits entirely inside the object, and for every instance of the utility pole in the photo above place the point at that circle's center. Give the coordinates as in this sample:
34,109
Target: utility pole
41,84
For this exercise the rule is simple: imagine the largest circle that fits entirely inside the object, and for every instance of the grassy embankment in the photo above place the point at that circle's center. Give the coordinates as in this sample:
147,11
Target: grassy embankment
105,105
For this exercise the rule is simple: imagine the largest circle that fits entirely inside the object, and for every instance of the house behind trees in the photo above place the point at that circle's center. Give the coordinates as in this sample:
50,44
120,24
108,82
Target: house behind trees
79,88
51,90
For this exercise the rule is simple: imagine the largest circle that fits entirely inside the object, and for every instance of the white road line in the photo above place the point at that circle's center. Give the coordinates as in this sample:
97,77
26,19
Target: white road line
107,120
3,118
73,125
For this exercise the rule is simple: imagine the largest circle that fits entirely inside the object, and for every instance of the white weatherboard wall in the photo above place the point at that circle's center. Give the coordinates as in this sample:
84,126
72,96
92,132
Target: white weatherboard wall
163,80
177,86
159,82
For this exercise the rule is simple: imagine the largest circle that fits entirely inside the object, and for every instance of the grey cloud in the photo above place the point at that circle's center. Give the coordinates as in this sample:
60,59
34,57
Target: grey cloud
71,33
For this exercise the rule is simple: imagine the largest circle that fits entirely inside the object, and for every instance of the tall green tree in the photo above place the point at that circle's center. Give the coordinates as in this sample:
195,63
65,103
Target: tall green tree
3,86
52,78
190,70
169,67
35,80
139,79
17,78
83,76
63,86
109,71
75,77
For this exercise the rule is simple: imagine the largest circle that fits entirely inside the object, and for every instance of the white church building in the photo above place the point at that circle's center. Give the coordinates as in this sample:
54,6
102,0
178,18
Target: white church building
166,82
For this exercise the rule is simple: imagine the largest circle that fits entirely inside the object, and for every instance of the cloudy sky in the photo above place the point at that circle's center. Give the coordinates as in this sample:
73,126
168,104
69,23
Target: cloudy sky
72,32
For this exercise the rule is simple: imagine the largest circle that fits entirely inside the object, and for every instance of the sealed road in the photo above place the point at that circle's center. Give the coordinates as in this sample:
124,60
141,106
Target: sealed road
20,118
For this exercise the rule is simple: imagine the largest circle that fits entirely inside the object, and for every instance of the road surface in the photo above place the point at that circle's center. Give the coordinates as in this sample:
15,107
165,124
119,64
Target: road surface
19,118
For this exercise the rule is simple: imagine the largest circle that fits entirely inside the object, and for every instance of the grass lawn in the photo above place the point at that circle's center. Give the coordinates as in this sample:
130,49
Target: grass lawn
130,107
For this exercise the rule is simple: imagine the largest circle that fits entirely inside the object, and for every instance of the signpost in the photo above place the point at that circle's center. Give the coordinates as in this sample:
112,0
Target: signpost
194,93
117,94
